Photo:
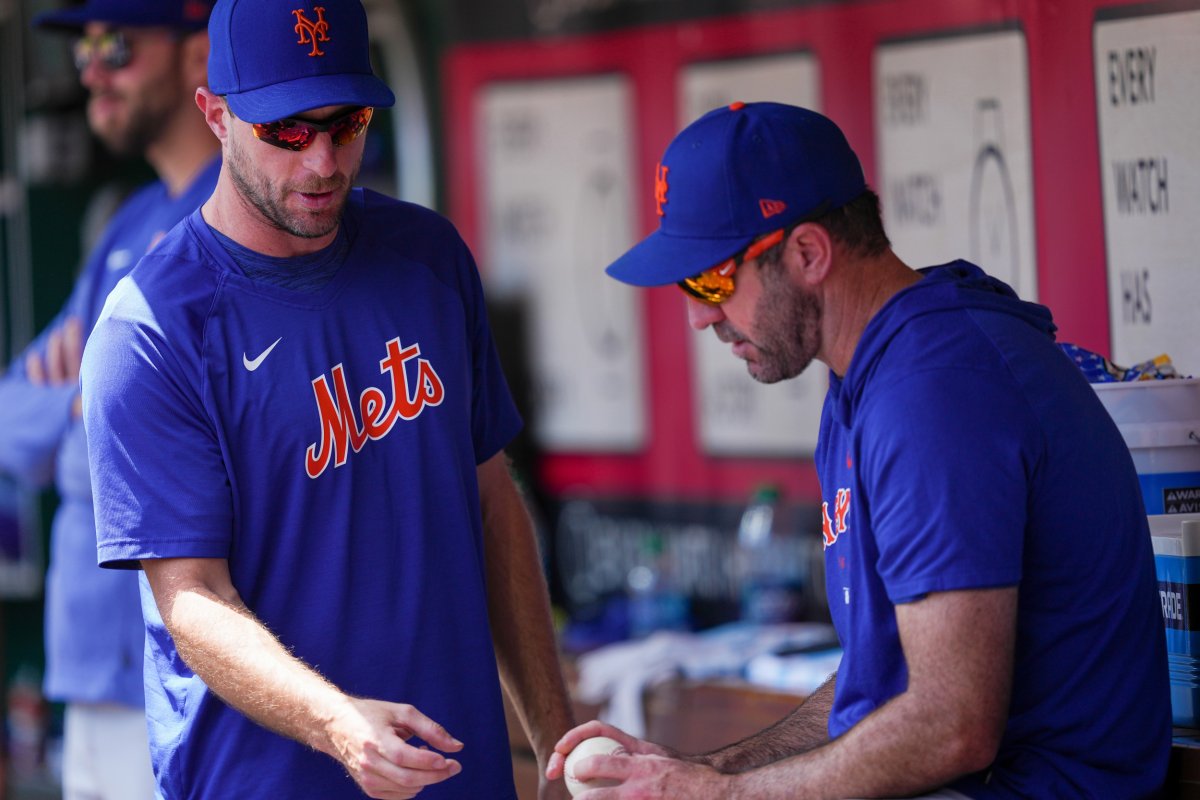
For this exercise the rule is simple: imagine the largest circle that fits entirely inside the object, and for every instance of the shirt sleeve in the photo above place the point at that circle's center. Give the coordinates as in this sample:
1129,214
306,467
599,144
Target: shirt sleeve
494,416
948,456
160,485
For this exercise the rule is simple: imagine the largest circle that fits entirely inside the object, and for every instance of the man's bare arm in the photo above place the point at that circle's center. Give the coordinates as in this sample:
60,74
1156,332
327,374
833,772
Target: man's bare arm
519,609
247,667
802,730
948,723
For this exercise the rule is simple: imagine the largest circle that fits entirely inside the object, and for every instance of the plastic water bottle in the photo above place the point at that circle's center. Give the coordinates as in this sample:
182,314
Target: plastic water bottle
771,585
654,602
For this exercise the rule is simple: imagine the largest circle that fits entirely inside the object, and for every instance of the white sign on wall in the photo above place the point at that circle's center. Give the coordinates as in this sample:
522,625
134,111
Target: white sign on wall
559,209
1148,103
955,165
736,414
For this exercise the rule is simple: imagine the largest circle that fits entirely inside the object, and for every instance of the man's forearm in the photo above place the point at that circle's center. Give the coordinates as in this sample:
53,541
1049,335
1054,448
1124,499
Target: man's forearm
903,747
948,722
247,667
804,729
519,609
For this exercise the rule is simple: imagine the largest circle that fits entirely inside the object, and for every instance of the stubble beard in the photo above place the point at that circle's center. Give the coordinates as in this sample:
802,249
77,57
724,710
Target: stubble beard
149,109
271,201
149,114
790,323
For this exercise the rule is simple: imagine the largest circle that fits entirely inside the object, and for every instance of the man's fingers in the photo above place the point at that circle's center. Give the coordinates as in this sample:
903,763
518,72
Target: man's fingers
384,775
586,731
615,768
411,721
572,738
35,370
72,346
409,757
554,767
55,363
568,742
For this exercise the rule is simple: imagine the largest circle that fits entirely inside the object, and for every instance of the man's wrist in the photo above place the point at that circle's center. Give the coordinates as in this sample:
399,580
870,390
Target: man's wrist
732,787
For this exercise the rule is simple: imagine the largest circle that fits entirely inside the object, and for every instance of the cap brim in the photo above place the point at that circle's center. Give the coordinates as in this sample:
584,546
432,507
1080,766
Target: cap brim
660,260
75,20
287,99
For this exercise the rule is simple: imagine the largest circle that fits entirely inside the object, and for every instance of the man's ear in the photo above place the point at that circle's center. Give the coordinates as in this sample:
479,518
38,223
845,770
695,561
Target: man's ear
216,114
808,254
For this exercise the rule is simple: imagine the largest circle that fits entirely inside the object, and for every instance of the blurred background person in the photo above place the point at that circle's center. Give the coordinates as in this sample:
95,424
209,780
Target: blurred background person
140,62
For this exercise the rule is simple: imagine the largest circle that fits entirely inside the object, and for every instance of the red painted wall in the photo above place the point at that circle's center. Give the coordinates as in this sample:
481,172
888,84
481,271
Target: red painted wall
843,36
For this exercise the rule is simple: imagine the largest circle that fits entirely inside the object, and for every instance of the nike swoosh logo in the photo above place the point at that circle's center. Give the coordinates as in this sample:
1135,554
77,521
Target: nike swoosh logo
256,363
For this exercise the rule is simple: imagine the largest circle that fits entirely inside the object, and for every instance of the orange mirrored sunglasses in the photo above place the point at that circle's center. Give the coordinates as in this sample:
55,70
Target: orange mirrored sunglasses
297,134
715,285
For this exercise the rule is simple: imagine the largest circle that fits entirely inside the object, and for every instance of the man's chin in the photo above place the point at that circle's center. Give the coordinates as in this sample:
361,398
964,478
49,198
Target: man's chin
761,376
314,226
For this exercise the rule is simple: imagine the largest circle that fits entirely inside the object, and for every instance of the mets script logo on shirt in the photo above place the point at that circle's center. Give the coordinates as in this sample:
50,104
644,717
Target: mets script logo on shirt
833,528
342,430
312,32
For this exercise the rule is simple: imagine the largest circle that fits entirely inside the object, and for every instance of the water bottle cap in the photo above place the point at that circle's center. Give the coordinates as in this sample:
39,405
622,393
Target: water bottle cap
767,493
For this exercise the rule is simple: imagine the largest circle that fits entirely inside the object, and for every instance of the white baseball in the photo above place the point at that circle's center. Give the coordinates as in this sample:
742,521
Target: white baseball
595,746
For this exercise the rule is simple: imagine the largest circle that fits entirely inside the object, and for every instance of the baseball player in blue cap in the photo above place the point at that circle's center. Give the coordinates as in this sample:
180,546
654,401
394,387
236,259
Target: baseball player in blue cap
987,558
140,61
297,418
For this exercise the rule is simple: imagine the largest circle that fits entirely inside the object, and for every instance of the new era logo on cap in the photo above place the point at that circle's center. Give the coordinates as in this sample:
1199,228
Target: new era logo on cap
196,11
770,208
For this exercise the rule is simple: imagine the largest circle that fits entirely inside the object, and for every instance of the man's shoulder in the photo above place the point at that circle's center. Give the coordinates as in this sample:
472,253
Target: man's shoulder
142,197
126,210
177,274
389,219
406,234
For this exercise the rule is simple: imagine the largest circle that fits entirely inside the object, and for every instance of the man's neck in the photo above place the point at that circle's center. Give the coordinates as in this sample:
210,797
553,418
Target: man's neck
181,152
863,286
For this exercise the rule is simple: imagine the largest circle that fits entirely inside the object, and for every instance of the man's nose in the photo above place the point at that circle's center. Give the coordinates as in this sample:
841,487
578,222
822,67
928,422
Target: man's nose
701,314
319,157
95,75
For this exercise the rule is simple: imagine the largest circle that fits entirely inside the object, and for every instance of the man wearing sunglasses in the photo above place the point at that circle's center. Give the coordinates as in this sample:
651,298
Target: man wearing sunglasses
988,563
140,61
298,419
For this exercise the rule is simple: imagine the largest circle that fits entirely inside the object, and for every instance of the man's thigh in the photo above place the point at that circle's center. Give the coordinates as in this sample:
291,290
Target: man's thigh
106,754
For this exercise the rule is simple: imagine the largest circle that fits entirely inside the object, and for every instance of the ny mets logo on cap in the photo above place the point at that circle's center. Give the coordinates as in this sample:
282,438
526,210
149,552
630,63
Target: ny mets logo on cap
312,32
660,187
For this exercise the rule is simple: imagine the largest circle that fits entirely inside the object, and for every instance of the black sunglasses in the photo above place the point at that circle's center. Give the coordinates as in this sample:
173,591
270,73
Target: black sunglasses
297,134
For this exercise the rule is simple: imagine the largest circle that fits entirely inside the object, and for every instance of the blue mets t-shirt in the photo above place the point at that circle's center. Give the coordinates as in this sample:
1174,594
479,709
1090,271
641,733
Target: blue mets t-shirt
326,443
963,450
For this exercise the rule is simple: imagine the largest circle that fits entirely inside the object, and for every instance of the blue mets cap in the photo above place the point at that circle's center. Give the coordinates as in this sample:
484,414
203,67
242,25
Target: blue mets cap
735,174
184,14
276,58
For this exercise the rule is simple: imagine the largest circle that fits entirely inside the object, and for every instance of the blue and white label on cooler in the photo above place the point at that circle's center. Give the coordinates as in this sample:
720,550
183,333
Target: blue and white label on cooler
1171,492
1174,596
